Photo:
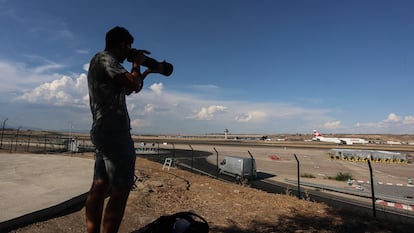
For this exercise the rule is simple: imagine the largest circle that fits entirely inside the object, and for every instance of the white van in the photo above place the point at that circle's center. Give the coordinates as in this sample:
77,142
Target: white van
241,168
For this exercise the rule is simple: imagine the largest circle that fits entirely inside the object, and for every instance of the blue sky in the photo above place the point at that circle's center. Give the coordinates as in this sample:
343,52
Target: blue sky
248,66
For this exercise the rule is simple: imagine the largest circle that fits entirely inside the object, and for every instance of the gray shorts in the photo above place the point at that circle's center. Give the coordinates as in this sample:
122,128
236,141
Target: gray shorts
115,158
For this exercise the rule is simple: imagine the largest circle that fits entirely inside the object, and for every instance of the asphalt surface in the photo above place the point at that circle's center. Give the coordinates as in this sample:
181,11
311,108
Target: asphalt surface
34,185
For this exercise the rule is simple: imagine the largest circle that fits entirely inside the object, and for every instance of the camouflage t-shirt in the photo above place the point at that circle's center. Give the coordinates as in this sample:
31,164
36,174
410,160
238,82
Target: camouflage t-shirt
106,95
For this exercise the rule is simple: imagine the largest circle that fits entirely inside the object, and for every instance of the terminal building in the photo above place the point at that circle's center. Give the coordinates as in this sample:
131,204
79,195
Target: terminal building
364,155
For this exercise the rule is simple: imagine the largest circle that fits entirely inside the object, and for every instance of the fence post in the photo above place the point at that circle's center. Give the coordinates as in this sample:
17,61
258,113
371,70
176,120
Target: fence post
45,144
297,160
11,142
253,161
217,162
2,132
173,151
372,189
17,141
158,151
192,157
28,142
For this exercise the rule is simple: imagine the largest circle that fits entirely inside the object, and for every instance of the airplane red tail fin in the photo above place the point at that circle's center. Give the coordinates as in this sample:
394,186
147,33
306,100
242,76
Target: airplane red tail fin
316,133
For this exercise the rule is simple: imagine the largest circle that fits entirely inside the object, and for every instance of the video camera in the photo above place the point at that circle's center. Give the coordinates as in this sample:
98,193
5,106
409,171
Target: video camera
164,67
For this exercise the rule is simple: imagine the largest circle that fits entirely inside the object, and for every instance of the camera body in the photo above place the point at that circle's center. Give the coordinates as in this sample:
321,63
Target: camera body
163,67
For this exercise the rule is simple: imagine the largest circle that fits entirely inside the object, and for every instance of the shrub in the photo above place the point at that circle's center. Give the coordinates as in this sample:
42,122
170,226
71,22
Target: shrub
343,176
307,175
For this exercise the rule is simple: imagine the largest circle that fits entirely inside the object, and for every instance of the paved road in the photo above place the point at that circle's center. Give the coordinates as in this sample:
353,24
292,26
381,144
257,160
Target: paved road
32,182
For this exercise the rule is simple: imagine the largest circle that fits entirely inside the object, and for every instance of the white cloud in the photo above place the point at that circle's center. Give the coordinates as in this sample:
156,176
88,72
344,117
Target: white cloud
408,120
392,124
157,88
18,77
10,76
63,91
253,116
131,105
203,88
85,67
149,108
208,113
138,123
176,109
392,117
46,65
333,125
160,109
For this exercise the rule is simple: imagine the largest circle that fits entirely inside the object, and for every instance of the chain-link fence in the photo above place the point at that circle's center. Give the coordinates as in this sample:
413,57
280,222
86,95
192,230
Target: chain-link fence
42,142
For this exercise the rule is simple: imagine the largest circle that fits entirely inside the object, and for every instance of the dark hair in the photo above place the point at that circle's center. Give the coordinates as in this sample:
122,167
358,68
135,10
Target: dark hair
116,36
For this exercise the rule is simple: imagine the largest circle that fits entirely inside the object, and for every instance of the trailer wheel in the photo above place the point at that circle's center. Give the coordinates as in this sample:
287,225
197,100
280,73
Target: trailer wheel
238,179
241,180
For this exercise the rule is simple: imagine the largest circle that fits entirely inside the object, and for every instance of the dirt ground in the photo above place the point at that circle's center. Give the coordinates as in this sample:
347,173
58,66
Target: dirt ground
227,207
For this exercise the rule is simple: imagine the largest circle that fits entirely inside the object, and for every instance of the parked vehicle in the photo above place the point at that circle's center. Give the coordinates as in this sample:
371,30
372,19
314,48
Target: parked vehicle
241,168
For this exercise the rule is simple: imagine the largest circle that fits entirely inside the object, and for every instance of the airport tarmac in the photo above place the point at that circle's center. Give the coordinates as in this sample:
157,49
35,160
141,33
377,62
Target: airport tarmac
29,183
279,164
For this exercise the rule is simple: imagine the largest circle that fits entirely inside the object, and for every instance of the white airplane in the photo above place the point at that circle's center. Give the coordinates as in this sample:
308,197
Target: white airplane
318,137
347,141
350,141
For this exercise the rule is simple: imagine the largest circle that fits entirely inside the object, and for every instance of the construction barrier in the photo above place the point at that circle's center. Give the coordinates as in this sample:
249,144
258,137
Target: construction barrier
364,155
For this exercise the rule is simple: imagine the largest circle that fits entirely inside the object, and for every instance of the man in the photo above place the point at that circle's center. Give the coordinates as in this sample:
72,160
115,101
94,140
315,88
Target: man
108,83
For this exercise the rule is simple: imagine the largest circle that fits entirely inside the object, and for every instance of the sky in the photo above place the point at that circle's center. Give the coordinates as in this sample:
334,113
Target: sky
263,67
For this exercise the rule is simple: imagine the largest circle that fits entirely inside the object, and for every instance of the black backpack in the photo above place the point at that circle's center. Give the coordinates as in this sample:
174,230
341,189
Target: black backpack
181,222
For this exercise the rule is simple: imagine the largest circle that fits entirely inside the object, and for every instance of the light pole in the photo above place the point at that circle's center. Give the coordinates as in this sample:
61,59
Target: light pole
2,132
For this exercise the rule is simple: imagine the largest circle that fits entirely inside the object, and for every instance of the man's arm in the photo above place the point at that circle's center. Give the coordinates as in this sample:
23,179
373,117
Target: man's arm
133,81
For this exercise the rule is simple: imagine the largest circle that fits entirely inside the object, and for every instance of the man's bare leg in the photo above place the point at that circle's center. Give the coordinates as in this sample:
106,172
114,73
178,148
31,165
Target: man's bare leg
114,211
94,205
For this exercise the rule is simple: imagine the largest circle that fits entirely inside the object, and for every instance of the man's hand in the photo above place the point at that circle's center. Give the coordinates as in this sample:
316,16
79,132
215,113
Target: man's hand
137,56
